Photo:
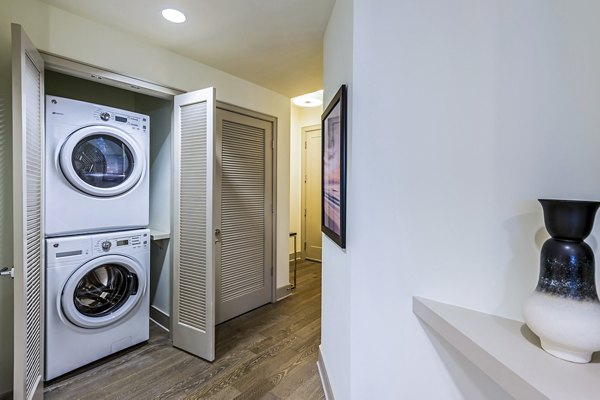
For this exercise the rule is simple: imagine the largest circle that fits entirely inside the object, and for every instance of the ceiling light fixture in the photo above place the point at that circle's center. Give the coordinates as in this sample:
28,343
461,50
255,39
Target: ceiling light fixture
309,100
172,15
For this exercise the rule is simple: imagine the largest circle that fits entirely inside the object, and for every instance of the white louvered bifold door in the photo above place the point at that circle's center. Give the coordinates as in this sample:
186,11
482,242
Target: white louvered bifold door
194,239
244,273
28,206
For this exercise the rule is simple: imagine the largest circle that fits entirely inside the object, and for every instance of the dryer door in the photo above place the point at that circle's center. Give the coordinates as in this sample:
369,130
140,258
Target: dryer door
101,161
103,291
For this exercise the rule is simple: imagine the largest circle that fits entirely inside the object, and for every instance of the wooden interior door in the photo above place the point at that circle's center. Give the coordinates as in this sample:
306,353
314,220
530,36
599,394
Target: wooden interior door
28,208
244,273
196,239
311,193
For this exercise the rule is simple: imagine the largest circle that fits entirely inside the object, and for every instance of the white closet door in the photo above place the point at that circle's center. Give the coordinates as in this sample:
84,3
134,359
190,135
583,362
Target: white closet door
244,274
28,206
196,230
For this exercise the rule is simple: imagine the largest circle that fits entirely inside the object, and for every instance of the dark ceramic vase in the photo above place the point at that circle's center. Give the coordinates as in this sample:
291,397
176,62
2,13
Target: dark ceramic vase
564,310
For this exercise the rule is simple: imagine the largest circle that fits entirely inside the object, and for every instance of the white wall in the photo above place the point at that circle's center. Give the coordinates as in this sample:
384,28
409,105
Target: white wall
337,263
71,36
464,113
301,117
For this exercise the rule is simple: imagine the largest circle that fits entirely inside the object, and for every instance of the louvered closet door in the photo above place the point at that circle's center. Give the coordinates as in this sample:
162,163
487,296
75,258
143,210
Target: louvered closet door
244,276
195,242
28,206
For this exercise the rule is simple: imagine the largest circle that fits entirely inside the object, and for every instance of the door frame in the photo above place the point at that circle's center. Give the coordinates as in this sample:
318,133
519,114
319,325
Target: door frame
305,131
68,66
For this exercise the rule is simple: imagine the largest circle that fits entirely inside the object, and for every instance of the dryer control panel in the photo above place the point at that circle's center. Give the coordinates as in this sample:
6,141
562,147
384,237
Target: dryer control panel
63,111
135,122
103,245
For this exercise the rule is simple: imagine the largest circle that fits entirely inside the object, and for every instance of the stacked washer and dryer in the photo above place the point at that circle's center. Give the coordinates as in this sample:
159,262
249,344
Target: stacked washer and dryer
97,241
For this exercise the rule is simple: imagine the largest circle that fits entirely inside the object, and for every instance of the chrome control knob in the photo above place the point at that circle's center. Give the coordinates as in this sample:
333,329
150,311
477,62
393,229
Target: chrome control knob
106,245
104,116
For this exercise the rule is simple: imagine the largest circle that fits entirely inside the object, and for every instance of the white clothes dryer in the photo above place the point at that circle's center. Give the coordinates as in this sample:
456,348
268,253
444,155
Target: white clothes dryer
96,168
97,297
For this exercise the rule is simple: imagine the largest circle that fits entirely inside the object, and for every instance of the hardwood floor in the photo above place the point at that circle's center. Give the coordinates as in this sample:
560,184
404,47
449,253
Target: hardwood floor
268,353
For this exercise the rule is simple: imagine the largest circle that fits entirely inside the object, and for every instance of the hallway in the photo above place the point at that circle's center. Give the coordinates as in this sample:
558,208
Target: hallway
268,353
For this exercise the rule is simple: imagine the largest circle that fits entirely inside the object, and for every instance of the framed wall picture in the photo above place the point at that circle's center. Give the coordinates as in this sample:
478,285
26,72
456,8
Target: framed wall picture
333,196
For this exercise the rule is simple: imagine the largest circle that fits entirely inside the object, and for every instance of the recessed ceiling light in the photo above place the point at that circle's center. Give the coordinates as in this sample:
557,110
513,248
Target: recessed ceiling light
172,15
309,100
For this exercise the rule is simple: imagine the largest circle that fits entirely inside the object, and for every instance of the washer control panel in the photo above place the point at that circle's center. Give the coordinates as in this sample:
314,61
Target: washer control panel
134,122
103,245
79,249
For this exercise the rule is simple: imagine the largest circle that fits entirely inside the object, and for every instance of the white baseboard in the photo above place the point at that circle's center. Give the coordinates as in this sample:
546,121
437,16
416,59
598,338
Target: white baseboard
283,292
298,256
324,378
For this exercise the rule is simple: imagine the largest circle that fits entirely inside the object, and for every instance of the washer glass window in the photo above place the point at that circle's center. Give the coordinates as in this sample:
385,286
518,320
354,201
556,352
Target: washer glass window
102,161
103,290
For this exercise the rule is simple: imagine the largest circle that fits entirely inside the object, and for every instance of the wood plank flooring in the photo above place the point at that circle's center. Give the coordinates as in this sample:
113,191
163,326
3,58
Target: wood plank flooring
268,353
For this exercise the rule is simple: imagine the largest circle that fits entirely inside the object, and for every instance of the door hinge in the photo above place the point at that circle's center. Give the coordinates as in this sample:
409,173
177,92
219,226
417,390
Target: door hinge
7,272
305,178
273,144
305,213
304,246
305,145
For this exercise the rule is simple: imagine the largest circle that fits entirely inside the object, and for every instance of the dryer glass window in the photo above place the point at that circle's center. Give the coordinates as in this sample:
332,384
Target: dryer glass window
103,290
102,161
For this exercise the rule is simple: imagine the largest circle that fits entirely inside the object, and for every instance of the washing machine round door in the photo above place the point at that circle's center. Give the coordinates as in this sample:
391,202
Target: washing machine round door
103,291
102,161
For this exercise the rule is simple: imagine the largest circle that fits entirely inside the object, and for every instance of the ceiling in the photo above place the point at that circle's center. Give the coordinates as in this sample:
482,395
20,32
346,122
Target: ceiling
273,43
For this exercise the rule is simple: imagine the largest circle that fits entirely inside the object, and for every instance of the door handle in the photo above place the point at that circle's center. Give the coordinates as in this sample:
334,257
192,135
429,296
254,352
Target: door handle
7,272
217,235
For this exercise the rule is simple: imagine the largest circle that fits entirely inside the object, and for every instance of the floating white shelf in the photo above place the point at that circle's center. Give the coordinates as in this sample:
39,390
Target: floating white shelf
158,235
509,353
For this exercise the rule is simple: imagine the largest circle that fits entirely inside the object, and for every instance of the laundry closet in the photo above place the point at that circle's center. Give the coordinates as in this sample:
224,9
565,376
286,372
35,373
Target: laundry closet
225,213
211,221
159,162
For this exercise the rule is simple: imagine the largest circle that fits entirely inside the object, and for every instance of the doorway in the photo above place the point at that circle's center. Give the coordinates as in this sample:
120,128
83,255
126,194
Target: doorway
311,193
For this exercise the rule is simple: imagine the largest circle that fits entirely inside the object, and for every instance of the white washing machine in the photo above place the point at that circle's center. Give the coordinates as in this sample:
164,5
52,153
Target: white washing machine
96,168
97,297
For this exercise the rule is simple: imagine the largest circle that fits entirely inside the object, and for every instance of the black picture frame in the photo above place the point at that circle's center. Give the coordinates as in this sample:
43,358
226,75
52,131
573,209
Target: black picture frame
333,167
